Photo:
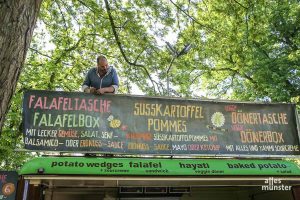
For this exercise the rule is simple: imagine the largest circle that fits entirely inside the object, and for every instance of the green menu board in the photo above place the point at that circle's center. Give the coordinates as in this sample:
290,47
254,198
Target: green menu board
122,124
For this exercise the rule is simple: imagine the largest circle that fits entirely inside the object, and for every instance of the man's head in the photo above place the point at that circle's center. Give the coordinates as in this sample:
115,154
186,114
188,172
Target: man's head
102,65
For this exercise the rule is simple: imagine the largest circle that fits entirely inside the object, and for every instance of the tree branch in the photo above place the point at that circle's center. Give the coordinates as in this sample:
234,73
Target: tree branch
194,19
240,4
40,53
196,77
235,71
63,16
113,27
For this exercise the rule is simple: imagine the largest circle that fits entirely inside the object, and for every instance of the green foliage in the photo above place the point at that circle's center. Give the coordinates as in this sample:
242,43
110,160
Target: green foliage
242,50
11,138
252,50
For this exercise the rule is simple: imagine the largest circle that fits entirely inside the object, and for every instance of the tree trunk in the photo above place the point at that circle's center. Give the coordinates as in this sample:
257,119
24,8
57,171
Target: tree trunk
17,22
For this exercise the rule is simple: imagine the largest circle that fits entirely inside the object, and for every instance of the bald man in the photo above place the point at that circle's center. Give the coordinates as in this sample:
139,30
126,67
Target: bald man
101,79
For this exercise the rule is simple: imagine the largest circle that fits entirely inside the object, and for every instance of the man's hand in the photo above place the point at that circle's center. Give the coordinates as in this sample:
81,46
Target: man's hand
91,90
101,91
109,89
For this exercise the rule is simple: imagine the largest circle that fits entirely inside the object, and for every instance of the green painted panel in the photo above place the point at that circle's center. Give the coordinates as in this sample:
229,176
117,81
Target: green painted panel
152,167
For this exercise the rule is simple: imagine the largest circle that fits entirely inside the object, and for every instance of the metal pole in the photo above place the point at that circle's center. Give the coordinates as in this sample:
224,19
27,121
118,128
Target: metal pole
168,81
175,54
25,191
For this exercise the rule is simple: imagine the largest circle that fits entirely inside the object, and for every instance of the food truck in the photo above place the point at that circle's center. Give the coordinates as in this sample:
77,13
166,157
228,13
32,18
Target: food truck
138,147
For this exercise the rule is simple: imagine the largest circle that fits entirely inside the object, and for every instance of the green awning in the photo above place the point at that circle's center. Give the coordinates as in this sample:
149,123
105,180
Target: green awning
160,167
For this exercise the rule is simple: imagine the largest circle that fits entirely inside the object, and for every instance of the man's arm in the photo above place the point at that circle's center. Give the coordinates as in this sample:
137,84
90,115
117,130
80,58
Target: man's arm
86,84
115,81
109,89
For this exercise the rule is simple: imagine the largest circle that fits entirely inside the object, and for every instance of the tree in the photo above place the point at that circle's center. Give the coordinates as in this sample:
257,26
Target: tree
245,50
18,18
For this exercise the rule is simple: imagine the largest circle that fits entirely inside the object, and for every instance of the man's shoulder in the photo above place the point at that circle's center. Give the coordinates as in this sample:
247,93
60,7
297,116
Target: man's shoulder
92,70
112,68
